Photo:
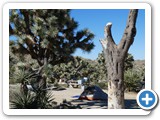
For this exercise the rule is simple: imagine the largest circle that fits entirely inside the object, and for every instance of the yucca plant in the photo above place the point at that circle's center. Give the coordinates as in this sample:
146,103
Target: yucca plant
20,100
22,75
32,100
45,100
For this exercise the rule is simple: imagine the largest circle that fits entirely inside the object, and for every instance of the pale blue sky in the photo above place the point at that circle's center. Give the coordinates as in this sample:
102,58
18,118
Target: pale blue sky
96,19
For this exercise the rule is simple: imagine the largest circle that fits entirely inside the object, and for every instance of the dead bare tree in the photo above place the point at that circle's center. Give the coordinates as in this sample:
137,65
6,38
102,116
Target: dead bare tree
115,56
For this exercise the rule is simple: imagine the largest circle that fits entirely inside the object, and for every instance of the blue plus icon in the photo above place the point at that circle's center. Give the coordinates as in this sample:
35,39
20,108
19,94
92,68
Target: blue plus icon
147,99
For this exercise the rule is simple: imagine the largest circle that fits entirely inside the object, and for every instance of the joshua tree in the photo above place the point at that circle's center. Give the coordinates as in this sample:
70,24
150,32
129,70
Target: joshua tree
115,56
49,36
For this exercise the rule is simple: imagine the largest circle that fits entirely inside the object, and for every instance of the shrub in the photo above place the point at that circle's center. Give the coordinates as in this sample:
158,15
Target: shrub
132,80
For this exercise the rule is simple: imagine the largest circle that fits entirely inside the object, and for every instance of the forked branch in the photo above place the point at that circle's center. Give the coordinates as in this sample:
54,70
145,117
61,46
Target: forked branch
130,31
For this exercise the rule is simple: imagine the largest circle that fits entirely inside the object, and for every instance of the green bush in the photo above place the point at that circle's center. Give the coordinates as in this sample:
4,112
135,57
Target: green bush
132,80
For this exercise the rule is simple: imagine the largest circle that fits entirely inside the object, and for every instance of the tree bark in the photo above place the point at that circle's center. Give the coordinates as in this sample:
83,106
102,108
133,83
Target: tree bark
115,56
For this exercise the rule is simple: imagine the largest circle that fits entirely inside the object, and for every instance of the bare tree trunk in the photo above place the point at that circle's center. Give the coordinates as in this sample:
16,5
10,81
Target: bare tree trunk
115,56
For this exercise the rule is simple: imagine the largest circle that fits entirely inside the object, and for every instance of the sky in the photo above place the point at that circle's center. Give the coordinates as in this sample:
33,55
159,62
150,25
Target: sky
96,19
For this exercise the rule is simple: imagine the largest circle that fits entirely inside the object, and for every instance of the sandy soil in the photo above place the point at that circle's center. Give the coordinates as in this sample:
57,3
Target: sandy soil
66,94
70,92
59,96
130,99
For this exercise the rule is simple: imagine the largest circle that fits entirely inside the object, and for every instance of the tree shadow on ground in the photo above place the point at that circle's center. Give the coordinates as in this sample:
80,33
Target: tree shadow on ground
94,104
131,104
101,104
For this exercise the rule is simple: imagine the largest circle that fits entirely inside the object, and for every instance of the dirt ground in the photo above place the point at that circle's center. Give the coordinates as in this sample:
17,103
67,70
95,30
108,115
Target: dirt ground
70,93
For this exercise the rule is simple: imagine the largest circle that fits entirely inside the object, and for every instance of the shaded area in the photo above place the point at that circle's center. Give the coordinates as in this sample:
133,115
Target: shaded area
101,104
94,104
131,104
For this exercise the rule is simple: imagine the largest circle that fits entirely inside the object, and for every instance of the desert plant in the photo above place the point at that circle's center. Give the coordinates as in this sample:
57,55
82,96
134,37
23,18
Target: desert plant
132,80
49,36
32,100
45,100
21,75
20,100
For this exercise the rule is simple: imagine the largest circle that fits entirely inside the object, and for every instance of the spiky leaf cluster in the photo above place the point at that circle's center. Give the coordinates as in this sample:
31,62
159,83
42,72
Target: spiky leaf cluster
49,35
